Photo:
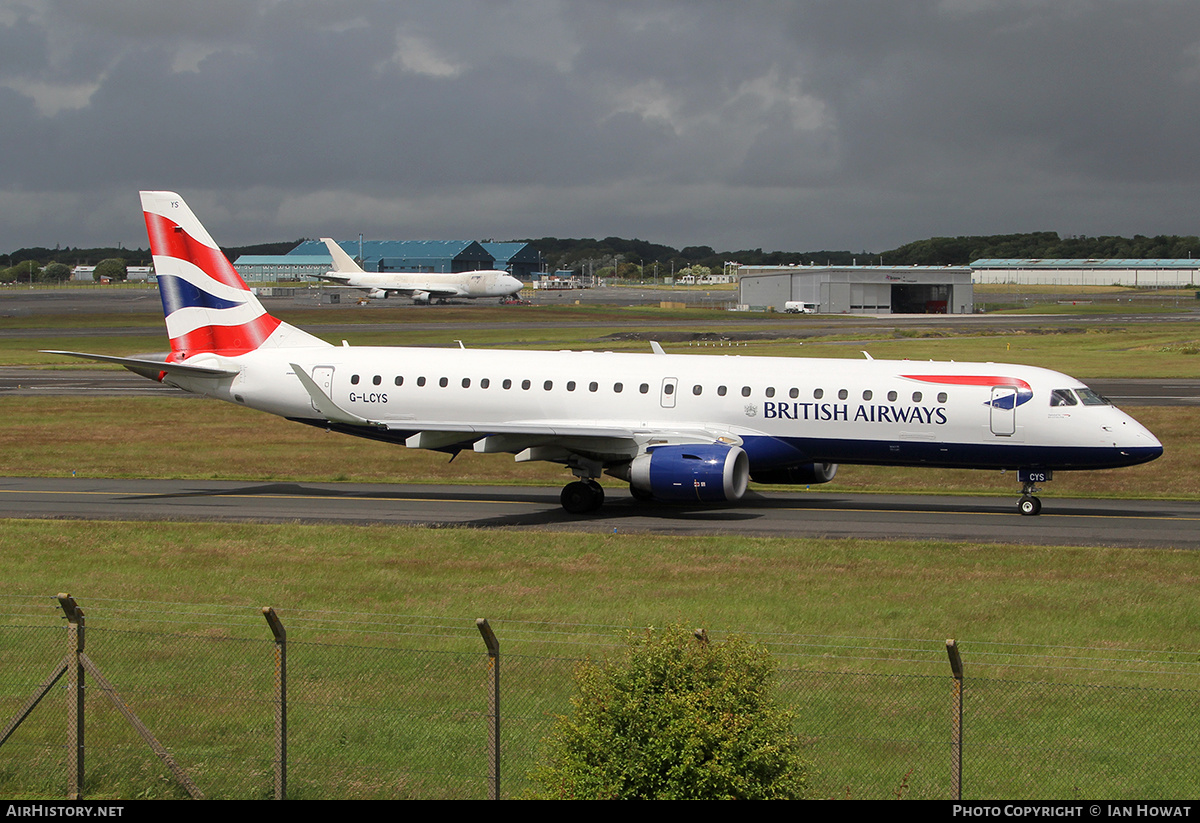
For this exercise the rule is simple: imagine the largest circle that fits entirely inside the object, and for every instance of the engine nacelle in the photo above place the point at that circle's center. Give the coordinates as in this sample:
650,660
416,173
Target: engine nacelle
804,475
701,473
378,294
419,296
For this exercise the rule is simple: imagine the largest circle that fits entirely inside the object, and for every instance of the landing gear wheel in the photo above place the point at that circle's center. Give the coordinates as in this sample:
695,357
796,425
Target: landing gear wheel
640,495
1029,505
598,491
582,496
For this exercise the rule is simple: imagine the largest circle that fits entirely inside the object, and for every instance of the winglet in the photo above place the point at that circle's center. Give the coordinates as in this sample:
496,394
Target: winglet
322,402
656,347
342,262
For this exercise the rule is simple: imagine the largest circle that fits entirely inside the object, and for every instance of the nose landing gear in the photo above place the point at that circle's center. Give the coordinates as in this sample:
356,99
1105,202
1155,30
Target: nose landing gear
1029,504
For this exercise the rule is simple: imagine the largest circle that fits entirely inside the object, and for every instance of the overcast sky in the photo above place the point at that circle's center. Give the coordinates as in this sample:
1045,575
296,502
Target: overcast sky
802,125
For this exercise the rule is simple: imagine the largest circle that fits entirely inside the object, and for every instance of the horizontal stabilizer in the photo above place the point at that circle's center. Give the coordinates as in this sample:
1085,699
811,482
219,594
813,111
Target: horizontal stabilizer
152,369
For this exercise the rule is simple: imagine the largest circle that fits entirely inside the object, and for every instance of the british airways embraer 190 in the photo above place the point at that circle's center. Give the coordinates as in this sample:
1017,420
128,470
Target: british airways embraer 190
688,428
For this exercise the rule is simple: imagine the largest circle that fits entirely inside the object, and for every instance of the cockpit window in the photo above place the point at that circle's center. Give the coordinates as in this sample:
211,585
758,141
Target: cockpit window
1062,397
1090,398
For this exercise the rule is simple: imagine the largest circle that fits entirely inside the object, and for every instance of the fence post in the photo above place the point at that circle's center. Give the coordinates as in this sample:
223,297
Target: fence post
493,649
75,704
956,717
280,701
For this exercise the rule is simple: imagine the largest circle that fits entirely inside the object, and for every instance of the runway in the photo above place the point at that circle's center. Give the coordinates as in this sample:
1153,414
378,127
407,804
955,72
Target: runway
1064,522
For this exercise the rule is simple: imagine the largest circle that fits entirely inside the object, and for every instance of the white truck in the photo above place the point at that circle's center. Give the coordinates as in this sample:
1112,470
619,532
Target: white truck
799,307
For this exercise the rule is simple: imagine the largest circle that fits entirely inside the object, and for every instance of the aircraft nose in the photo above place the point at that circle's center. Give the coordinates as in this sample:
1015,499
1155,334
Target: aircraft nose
1136,440
512,283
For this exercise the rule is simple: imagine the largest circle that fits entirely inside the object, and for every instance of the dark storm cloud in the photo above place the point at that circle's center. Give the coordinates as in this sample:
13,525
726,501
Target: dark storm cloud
791,125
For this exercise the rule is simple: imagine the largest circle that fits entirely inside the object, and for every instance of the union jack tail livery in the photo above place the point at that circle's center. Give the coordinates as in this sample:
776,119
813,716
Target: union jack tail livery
208,307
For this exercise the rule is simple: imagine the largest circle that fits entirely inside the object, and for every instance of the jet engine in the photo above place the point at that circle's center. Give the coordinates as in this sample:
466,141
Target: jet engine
807,474
419,296
704,473
377,294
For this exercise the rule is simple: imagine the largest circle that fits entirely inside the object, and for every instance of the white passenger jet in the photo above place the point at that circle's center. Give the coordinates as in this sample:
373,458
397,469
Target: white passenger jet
676,427
421,287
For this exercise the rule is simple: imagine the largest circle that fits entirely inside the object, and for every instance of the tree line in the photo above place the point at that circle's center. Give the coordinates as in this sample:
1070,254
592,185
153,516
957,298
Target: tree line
634,258
624,256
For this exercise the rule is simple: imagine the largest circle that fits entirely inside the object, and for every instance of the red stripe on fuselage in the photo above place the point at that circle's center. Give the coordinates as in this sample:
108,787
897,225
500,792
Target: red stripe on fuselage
969,380
168,239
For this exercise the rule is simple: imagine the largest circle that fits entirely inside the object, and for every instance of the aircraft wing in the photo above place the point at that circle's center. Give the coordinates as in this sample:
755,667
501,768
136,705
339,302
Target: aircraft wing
146,367
333,277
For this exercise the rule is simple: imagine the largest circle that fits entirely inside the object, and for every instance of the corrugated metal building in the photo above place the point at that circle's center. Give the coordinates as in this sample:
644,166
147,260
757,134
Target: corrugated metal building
521,260
1137,272
442,256
859,289
439,256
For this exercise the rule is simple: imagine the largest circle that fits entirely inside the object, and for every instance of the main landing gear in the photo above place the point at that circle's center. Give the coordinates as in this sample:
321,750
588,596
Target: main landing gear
582,496
1029,504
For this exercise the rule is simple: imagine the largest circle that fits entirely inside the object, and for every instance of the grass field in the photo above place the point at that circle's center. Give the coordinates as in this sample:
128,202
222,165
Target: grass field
387,700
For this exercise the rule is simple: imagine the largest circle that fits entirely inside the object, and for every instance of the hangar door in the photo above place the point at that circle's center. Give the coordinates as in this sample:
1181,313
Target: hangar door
911,298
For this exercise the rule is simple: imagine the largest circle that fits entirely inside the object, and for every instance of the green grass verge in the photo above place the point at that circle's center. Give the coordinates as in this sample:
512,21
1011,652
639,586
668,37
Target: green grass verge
388,706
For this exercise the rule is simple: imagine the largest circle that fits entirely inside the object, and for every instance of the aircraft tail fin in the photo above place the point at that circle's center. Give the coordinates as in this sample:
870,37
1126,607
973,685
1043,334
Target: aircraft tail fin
342,262
207,305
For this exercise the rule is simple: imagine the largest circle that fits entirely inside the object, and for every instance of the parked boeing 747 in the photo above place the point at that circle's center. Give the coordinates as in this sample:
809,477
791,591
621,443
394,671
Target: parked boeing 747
421,287
675,427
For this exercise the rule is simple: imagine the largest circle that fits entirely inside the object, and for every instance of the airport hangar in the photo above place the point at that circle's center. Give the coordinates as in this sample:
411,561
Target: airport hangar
859,289
311,258
1141,273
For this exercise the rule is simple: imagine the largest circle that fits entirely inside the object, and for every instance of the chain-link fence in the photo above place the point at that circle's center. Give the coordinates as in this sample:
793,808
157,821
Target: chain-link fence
178,700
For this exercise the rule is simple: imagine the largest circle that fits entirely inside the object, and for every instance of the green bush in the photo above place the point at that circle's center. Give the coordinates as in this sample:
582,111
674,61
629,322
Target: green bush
676,718
114,269
55,273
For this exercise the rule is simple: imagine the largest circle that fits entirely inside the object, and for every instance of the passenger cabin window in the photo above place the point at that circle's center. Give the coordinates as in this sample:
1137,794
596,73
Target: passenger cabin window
593,386
548,385
525,384
645,387
466,382
721,391
484,382
891,397
794,393
770,391
420,381
507,384
377,379
444,382
669,388
697,390
942,397
618,387
818,394
868,394
399,381
570,385
917,397
745,391
354,380
843,394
